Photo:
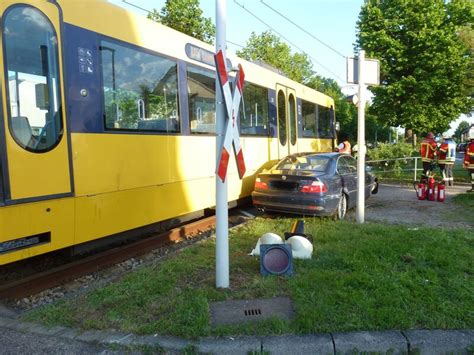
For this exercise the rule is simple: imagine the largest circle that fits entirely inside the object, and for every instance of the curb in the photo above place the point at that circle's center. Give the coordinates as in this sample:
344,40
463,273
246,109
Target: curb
392,341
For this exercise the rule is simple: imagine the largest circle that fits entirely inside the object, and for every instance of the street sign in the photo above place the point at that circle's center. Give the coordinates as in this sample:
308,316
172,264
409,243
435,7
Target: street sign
232,105
371,71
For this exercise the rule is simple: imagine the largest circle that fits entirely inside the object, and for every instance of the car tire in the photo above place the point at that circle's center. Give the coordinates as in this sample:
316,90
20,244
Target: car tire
375,189
341,209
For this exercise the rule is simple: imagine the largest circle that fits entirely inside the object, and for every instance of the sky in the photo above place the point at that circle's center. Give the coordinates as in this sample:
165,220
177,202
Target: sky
332,22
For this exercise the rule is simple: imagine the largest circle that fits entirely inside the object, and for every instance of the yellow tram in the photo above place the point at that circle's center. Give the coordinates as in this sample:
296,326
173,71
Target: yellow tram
108,124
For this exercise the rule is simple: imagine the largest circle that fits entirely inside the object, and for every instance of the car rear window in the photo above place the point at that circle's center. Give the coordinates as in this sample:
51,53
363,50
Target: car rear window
310,162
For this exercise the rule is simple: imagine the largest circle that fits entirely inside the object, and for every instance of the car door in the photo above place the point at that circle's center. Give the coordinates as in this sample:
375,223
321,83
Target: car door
347,170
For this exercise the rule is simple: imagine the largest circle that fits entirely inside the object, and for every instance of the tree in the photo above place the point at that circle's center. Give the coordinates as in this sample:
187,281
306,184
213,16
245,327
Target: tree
268,48
463,125
466,34
424,62
185,16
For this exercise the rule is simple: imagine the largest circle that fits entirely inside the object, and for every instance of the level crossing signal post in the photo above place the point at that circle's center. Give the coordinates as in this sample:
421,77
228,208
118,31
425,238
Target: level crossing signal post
227,104
222,212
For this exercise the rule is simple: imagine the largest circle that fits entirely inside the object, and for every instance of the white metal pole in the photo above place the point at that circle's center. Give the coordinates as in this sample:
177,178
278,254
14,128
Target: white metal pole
416,166
222,212
361,142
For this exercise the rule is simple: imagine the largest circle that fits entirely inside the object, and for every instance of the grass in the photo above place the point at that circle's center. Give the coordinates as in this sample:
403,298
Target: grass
361,277
466,201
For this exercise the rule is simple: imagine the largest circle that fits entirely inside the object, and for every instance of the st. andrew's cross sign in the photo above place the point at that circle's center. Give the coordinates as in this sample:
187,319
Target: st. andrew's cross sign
232,105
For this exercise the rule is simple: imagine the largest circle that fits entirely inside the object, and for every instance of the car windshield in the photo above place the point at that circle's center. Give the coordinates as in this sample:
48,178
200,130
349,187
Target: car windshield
308,162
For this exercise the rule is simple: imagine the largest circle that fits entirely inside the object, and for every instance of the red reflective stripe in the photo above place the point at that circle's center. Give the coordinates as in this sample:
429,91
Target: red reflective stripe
220,65
240,79
224,161
241,163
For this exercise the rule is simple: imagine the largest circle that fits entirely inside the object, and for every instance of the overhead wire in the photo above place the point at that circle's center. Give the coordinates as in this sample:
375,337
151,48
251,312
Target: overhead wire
287,40
138,7
235,44
304,30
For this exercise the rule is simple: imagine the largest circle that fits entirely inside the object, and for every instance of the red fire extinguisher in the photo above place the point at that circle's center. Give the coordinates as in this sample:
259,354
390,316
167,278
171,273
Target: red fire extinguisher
421,191
441,192
431,188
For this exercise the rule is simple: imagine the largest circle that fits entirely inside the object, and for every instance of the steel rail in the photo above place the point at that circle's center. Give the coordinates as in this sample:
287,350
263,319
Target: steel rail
58,276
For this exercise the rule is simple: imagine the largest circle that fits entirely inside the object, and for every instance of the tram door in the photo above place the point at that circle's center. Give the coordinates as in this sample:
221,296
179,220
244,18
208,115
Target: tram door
35,158
287,121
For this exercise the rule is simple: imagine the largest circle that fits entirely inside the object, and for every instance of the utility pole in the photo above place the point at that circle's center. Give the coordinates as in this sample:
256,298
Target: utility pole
361,142
363,72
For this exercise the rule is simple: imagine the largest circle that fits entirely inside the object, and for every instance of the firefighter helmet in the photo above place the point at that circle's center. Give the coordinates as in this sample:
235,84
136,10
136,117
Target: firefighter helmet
430,135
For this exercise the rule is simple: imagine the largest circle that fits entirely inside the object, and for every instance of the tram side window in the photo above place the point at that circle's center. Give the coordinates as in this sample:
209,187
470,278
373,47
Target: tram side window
202,100
31,49
325,122
310,122
140,90
254,111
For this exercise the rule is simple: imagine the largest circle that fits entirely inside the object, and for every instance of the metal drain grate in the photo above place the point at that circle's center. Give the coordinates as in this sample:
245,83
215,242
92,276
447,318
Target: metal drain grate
240,311
253,312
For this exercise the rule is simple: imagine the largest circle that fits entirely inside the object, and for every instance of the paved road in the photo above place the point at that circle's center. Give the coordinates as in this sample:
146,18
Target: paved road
15,342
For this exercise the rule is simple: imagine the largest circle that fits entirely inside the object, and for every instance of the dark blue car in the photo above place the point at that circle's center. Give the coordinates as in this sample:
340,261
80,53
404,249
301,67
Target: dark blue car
323,184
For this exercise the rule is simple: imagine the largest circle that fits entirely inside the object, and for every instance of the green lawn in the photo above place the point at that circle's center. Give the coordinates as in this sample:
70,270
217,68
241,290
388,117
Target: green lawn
466,200
361,277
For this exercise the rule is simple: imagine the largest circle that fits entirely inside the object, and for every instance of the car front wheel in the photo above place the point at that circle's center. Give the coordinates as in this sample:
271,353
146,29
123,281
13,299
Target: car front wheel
341,208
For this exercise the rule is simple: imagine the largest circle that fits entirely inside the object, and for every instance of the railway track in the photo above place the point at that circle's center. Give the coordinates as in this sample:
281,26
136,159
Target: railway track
60,275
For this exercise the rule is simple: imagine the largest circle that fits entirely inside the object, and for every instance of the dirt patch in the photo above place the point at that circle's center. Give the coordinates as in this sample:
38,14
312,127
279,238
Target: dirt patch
399,204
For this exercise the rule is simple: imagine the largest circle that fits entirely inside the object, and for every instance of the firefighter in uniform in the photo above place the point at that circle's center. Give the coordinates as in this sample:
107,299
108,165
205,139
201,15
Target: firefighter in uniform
446,159
469,158
344,147
428,153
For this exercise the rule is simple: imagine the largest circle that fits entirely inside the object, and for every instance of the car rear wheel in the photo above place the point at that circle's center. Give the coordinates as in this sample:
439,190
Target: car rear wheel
341,208
375,188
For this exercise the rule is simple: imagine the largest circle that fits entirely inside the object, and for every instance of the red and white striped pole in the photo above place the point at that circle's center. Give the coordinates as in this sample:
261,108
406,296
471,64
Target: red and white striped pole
222,212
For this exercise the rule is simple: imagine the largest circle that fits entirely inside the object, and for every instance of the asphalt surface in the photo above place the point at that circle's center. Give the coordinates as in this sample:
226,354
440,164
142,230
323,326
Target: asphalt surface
398,204
26,338
17,342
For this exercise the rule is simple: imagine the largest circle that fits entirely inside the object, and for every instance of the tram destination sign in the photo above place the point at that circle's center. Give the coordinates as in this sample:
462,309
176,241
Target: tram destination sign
202,55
